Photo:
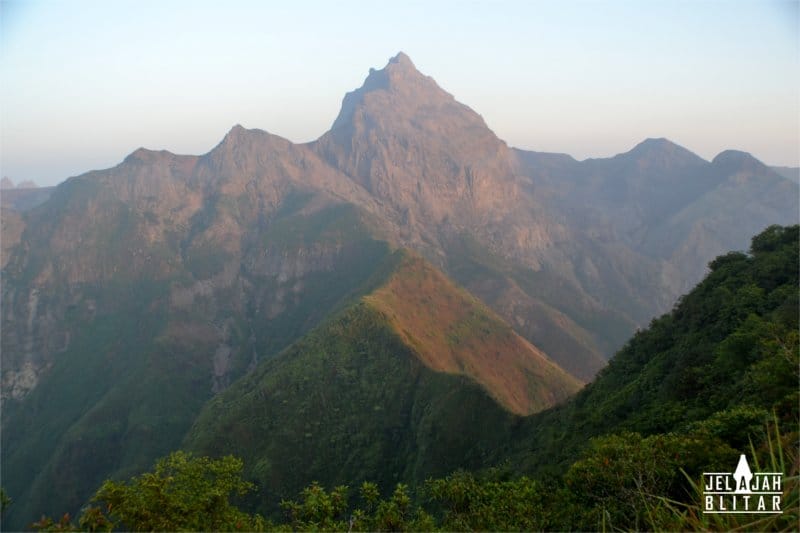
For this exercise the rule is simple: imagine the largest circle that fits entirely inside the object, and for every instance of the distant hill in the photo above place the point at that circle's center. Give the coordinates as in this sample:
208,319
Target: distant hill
790,173
6,183
24,198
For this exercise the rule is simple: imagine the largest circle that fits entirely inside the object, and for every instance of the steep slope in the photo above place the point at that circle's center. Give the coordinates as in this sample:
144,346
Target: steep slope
668,206
139,359
413,145
451,331
202,224
443,177
12,227
727,352
601,230
362,397
747,197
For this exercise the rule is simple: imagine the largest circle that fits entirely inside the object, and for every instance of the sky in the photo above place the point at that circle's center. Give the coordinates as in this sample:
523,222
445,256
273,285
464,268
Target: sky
84,83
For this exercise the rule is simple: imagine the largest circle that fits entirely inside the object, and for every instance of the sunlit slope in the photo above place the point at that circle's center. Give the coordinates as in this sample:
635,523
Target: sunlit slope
451,331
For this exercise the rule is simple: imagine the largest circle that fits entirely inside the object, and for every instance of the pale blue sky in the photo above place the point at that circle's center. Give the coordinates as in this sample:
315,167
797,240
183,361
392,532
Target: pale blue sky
85,83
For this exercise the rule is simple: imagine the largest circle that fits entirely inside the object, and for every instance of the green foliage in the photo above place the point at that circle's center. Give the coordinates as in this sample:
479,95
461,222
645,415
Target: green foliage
182,493
731,343
395,514
318,510
619,477
5,500
49,525
349,402
623,482
472,504
777,452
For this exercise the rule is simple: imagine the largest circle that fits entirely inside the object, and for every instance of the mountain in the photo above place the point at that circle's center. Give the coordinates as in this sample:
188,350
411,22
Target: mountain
6,184
712,379
24,198
689,394
138,292
726,356
414,146
453,332
790,173
669,207
454,190
415,379
134,295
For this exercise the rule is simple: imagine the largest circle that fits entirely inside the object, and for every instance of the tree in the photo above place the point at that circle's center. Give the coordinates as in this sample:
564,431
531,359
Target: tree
182,493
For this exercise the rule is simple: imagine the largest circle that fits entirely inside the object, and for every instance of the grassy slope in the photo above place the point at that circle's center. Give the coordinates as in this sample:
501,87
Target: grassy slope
451,331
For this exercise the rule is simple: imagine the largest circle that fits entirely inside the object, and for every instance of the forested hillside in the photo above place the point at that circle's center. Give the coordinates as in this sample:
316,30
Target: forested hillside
731,343
715,378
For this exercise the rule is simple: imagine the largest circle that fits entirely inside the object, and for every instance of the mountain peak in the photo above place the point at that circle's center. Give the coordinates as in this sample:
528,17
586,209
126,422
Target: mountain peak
406,140
398,77
735,161
402,59
737,156
661,151
239,135
144,155
656,144
236,132
401,72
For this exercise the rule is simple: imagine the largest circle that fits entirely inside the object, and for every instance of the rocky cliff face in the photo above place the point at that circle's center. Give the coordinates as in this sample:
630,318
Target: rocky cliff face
431,160
412,144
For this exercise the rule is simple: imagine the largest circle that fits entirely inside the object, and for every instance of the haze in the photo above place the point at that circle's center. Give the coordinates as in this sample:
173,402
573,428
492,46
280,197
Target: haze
86,83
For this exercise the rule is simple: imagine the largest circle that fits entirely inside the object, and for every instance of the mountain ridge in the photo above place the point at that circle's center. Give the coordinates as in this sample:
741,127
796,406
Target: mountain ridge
508,208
